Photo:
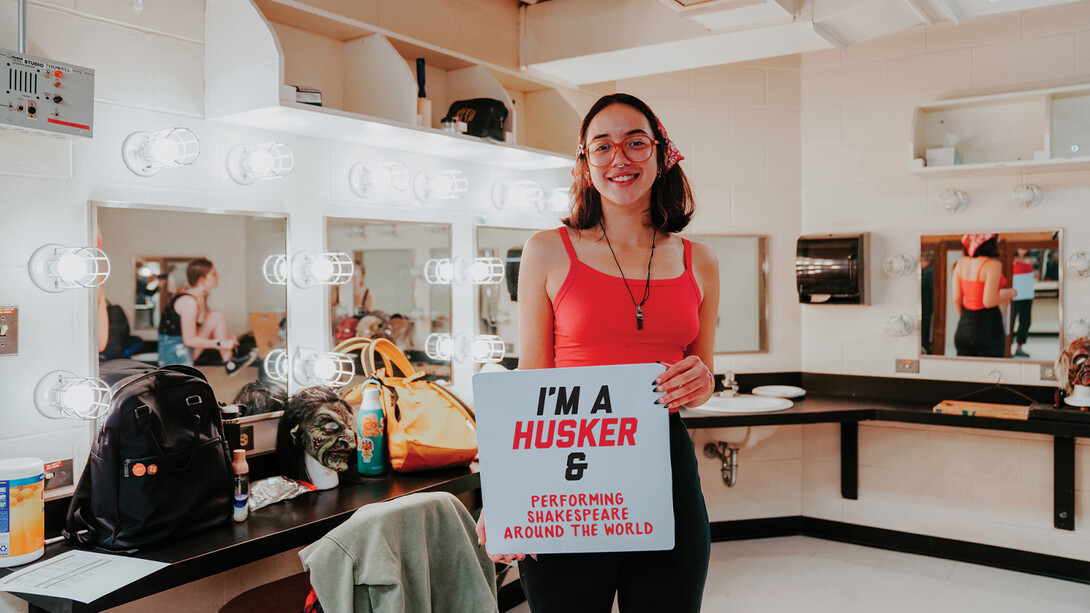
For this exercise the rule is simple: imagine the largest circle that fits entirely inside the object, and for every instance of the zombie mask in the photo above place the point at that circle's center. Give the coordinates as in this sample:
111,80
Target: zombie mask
326,435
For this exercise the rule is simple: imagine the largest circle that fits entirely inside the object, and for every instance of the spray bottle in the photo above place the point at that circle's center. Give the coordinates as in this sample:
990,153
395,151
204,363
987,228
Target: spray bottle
371,433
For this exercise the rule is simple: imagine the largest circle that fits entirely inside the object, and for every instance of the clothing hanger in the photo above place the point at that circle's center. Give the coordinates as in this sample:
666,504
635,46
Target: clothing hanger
996,385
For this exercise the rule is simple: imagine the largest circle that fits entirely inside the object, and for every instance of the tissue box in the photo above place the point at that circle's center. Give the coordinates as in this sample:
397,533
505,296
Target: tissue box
942,156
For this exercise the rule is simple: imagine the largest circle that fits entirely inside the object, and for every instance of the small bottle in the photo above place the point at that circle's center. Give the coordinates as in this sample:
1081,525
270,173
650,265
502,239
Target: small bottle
371,435
242,485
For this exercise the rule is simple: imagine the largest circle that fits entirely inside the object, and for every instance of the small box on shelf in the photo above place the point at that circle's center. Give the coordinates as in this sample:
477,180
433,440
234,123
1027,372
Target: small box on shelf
942,156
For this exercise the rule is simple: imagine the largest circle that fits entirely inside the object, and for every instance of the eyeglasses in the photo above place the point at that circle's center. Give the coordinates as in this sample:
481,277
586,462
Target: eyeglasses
637,148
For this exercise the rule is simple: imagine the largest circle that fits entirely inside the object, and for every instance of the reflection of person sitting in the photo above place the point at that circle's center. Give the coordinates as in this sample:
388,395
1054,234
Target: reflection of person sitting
315,436
976,289
188,326
1022,306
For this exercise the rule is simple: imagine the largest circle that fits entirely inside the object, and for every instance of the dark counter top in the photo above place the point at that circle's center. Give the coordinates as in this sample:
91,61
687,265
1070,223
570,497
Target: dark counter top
268,531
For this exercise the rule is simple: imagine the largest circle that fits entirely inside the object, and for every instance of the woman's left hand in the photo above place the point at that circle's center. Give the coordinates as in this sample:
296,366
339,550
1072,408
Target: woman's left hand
687,383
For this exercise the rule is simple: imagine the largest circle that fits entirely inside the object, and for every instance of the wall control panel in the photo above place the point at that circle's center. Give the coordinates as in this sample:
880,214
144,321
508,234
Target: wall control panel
42,94
9,330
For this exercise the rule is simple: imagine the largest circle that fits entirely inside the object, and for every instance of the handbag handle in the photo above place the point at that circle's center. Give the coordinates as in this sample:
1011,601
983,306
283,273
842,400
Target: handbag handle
349,345
144,421
391,355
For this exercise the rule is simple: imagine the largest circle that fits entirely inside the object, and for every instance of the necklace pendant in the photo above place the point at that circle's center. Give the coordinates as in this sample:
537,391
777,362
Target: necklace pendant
639,318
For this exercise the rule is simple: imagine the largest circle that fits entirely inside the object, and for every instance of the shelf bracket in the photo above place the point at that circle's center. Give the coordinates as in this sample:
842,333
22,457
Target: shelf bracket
1063,487
849,460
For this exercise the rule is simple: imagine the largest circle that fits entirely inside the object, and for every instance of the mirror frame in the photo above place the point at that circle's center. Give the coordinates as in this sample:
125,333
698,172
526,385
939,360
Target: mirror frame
919,297
763,314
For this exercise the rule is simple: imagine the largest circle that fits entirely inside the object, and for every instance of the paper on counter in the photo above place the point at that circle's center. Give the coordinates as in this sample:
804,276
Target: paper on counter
79,575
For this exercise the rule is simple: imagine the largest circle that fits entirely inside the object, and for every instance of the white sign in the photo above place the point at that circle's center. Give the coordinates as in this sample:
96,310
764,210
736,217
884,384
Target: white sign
574,460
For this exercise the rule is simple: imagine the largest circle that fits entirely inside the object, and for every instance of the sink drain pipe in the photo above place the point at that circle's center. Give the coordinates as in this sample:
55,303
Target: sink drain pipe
729,456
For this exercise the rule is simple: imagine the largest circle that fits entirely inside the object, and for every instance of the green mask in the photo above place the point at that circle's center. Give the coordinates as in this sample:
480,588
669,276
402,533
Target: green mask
327,436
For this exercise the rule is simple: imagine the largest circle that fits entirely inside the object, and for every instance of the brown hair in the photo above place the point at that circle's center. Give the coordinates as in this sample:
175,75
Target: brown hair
671,197
197,270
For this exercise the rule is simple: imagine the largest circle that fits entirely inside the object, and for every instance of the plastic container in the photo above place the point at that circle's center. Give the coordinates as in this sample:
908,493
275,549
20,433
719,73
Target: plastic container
242,485
22,510
370,435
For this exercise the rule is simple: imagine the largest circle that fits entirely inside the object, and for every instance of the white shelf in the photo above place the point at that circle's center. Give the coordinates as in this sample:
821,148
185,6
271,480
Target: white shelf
368,86
1033,131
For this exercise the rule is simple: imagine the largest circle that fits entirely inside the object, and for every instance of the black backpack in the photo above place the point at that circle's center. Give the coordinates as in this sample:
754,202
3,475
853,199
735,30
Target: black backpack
159,467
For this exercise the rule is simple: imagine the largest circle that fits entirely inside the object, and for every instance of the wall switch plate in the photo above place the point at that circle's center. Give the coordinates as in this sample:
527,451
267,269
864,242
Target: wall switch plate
9,330
901,365
58,474
1048,372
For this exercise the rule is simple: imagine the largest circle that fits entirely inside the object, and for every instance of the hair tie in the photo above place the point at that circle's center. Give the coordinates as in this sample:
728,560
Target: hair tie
673,155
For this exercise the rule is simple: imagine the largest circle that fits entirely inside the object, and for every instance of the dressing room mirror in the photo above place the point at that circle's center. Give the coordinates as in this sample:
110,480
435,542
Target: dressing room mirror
171,267
389,296
743,295
1025,321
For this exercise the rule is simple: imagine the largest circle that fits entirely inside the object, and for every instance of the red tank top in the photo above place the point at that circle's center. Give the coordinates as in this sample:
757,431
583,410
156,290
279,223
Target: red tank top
972,291
594,320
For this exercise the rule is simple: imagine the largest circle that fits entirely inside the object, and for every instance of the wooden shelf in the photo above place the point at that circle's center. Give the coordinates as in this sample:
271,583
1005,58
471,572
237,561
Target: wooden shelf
368,84
1033,131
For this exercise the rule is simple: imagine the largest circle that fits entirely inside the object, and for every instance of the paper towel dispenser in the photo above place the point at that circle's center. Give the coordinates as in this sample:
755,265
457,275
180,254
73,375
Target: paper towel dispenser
831,269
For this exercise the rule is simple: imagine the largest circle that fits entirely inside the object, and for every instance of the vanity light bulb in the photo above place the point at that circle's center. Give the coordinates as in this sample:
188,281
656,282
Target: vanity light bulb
558,202
954,200
147,153
519,194
900,325
384,178
486,348
55,268
246,164
61,394
439,271
439,346
445,185
486,271
332,369
321,270
1080,328
899,265
333,268
1079,263
1028,195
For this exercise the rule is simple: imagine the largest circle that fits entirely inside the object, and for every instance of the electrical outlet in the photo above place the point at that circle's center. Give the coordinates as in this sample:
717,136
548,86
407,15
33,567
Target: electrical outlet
9,330
906,365
1048,372
58,474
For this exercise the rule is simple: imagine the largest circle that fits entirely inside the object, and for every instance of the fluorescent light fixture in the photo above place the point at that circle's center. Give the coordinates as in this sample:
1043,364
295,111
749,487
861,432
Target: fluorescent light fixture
276,365
326,368
55,268
899,265
334,268
1079,263
517,194
444,185
384,178
61,394
275,269
146,153
248,163
900,325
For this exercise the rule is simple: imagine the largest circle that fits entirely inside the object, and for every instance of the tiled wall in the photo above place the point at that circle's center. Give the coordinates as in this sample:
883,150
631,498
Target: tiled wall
979,486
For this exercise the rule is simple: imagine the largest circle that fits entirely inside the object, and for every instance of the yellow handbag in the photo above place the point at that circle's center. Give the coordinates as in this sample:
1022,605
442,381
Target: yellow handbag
427,426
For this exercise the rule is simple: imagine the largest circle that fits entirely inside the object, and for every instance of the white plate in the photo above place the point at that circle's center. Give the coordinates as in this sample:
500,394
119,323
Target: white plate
779,391
1077,402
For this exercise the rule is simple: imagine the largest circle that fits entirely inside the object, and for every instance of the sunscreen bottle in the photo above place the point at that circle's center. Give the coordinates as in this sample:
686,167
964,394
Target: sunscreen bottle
370,434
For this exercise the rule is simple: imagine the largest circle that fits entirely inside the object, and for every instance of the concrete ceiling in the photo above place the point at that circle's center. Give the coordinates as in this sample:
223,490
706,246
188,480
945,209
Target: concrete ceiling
591,41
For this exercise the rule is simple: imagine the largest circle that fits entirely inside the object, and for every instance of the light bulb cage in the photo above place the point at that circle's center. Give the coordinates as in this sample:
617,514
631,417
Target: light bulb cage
249,163
439,346
146,153
323,368
384,178
443,185
1079,263
899,265
480,271
1028,195
485,349
519,194
277,365
275,269
63,395
558,202
56,268
954,200
439,271
332,268
900,325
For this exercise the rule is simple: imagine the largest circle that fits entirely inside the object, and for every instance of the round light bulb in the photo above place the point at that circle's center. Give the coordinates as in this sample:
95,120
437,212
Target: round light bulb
260,162
443,185
161,151
324,369
71,267
78,397
322,270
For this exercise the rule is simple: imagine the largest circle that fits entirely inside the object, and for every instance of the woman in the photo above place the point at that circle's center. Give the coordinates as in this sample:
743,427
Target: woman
188,326
976,290
616,286
1024,276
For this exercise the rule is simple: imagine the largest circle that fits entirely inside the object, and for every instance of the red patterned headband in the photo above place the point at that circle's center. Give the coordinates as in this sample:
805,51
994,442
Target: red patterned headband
673,155
973,242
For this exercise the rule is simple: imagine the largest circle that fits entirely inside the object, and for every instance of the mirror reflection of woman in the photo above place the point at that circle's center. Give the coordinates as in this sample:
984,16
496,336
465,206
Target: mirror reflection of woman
188,327
1022,306
615,285
978,291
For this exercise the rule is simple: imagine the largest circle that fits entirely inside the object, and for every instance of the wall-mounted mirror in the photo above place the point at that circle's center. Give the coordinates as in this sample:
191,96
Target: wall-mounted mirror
389,296
1010,295
743,294
183,282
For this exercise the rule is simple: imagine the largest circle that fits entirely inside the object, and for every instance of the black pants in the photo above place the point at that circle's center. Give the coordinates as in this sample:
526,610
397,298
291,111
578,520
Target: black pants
651,581
980,333
1022,315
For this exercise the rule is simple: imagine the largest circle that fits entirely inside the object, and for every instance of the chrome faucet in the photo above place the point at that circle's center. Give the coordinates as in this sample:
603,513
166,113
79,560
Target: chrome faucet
730,383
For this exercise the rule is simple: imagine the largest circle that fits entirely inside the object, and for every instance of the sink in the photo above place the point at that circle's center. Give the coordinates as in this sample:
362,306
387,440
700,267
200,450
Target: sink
742,403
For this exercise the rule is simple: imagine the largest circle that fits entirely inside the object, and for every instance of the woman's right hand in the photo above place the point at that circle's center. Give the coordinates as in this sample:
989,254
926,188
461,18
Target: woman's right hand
507,558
